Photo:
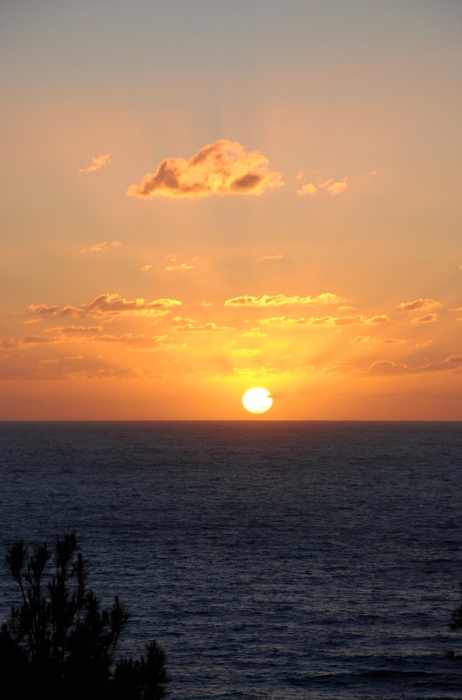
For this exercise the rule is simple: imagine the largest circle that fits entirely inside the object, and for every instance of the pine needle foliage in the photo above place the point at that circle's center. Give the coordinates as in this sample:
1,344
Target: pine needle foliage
456,622
60,644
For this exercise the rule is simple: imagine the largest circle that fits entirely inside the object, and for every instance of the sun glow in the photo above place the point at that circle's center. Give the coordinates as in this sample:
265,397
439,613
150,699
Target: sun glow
257,400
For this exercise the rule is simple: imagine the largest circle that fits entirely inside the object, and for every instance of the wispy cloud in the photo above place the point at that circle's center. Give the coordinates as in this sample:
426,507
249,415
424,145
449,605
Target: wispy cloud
333,187
367,340
204,327
134,341
429,318
221,168
66,334
146,268
119,373
359,319
101,247
309,188
387,368
272,257
107,304
339,369
417,305
76,367
26,340
252,333
114,305
97,163
283,300
247,352
179,268
42,309
75,330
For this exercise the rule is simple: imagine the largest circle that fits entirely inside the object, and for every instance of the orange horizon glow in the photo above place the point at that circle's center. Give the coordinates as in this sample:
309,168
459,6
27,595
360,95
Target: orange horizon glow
178,230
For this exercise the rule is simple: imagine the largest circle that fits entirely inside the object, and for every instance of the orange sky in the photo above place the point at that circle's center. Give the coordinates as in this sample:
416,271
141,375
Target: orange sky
197,201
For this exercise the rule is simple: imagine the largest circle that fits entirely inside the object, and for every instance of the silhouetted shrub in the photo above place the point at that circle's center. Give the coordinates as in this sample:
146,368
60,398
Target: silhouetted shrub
456,622
59,644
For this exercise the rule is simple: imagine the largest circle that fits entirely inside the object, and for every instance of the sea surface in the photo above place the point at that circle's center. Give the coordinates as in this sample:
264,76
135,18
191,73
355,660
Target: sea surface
273,560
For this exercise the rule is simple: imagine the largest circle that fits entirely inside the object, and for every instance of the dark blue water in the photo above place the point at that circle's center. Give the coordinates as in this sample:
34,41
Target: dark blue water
270,560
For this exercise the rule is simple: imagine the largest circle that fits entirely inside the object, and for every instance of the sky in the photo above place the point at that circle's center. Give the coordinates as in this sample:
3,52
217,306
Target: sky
199,197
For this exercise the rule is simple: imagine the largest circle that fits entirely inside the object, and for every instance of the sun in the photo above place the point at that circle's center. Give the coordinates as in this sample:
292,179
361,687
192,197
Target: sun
257,400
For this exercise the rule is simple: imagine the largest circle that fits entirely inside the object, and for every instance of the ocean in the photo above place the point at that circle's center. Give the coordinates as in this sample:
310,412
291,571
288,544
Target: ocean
276,560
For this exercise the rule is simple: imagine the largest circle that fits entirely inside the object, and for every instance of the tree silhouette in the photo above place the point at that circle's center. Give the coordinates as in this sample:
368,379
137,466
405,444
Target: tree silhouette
60,644
456,622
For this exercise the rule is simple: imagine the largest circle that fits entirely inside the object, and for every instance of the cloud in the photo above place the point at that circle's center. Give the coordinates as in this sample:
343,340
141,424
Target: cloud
136,341
417,305
359,319
26,340
251,373
146,268
221,168
429,318
327,298
252,333
387,368
437,367
247,352
205,327
114,305
282,300
101,247
309,188
97,163
179,268
120,373
75,330
68,333
335,188
363,339
71,368
367,340
326,321
272,257
339,369
183,319
347,320
283,321
42,309
332,186
62,334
